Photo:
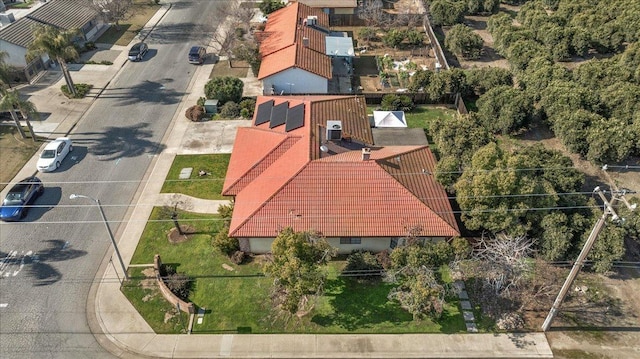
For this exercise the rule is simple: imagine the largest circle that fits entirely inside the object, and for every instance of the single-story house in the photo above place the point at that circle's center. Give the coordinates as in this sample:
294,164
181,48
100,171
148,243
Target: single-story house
297,51
16,37
309,162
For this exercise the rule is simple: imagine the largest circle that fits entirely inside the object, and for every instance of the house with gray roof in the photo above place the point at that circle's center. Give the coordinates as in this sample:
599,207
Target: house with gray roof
16,36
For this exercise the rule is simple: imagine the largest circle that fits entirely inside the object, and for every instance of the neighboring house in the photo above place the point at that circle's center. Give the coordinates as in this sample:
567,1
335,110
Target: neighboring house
299,53
16,37
310,163
340,12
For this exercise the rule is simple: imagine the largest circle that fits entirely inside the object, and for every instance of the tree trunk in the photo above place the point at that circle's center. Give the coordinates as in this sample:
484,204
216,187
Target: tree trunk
67,76
33,134
14,116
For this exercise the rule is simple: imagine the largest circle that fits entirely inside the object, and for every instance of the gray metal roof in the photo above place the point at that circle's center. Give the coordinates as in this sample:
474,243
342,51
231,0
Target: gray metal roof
19,32
65,14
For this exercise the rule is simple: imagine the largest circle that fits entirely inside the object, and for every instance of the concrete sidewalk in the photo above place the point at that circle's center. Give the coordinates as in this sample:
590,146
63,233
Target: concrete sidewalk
121,330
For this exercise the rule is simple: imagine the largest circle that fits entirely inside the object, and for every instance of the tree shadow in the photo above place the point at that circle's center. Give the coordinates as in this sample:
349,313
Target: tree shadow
37,265
150,92
180,33
118,142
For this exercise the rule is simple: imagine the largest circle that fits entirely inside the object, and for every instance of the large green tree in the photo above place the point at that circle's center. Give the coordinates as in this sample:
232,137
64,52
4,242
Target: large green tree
269,6
58,44
463,42
296,267
445,12
224,89
512,191
505,109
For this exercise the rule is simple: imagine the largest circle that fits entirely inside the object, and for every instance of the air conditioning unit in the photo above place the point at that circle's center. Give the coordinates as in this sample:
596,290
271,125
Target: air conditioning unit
334,130
312,20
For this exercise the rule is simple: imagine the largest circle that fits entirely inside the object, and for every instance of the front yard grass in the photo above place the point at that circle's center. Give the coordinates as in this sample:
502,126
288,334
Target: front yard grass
239,301
15,151
208,186
139,14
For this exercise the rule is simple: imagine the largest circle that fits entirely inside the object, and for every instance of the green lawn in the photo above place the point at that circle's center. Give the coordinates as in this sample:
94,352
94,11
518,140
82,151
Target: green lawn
239,301
422,115
206,187
138,15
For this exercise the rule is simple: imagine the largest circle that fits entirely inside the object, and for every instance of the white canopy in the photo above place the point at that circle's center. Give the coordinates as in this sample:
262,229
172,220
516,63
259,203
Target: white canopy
389,119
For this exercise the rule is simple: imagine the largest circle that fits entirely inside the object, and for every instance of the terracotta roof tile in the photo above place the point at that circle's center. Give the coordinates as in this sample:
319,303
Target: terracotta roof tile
339,195
358,199
286,42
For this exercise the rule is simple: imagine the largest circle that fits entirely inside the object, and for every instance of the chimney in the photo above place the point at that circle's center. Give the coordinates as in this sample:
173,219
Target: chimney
305,41
366,154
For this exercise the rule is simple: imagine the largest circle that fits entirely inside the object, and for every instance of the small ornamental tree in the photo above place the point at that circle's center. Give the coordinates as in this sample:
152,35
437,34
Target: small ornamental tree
295,267
224,89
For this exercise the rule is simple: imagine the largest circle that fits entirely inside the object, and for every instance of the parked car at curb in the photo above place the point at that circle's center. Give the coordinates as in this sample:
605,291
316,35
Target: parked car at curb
197,55
137,51
15,204
53,154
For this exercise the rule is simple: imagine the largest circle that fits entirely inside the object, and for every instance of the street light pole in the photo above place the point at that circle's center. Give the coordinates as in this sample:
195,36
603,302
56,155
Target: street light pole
106,224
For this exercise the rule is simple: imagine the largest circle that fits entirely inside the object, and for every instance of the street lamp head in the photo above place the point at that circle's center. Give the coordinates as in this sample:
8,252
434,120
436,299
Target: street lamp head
73,196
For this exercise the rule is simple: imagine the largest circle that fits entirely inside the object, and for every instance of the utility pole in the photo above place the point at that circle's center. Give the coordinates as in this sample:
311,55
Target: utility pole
616,195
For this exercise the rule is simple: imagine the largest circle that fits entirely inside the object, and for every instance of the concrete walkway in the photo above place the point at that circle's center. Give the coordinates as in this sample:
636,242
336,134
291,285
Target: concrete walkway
121,330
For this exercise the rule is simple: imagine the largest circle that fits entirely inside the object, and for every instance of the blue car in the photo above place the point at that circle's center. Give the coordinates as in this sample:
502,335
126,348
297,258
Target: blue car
16,204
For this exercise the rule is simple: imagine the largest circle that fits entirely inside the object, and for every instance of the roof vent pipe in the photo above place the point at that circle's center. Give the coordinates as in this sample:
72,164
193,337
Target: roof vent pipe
366,153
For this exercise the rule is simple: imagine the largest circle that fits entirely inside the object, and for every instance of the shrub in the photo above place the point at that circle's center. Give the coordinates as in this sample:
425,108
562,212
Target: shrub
384,259
238,257
393,102
224,243
224,89
179,284
247,106
81,90
365,264
90,45
195,113
226,211
230,110
201,101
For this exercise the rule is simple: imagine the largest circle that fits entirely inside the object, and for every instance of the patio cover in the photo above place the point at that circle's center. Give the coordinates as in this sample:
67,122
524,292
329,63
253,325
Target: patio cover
389,119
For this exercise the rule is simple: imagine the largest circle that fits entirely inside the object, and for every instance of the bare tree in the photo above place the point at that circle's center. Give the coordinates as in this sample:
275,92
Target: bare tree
237,17
113,11
373,14
172,213
504,260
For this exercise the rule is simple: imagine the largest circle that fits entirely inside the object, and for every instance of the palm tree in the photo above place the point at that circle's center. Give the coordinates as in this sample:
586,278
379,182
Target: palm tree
57,44
10,101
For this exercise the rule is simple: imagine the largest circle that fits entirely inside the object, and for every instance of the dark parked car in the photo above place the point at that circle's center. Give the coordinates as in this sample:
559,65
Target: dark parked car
20,196
197,55
138,51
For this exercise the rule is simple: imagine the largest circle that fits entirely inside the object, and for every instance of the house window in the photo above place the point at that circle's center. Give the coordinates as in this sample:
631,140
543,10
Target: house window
350,240
394,243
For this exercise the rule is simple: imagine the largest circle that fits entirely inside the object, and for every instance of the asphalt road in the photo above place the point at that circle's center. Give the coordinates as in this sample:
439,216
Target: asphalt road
49,262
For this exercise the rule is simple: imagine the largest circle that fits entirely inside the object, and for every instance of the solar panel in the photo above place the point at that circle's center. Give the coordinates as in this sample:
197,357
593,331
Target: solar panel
279,114
295,117
264,112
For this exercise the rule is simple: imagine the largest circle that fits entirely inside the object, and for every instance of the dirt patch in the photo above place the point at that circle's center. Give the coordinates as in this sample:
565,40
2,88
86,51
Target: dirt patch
187,233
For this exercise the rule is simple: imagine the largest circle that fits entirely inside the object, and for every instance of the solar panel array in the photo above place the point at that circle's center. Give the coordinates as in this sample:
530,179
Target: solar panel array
280,114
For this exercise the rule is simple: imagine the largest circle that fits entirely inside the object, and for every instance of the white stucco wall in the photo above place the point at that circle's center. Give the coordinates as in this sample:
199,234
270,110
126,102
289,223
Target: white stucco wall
295,80
372,244
15,54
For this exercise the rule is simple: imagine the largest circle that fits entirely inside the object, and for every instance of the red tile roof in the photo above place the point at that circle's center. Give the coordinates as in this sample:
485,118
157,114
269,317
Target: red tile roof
288,42
338,195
